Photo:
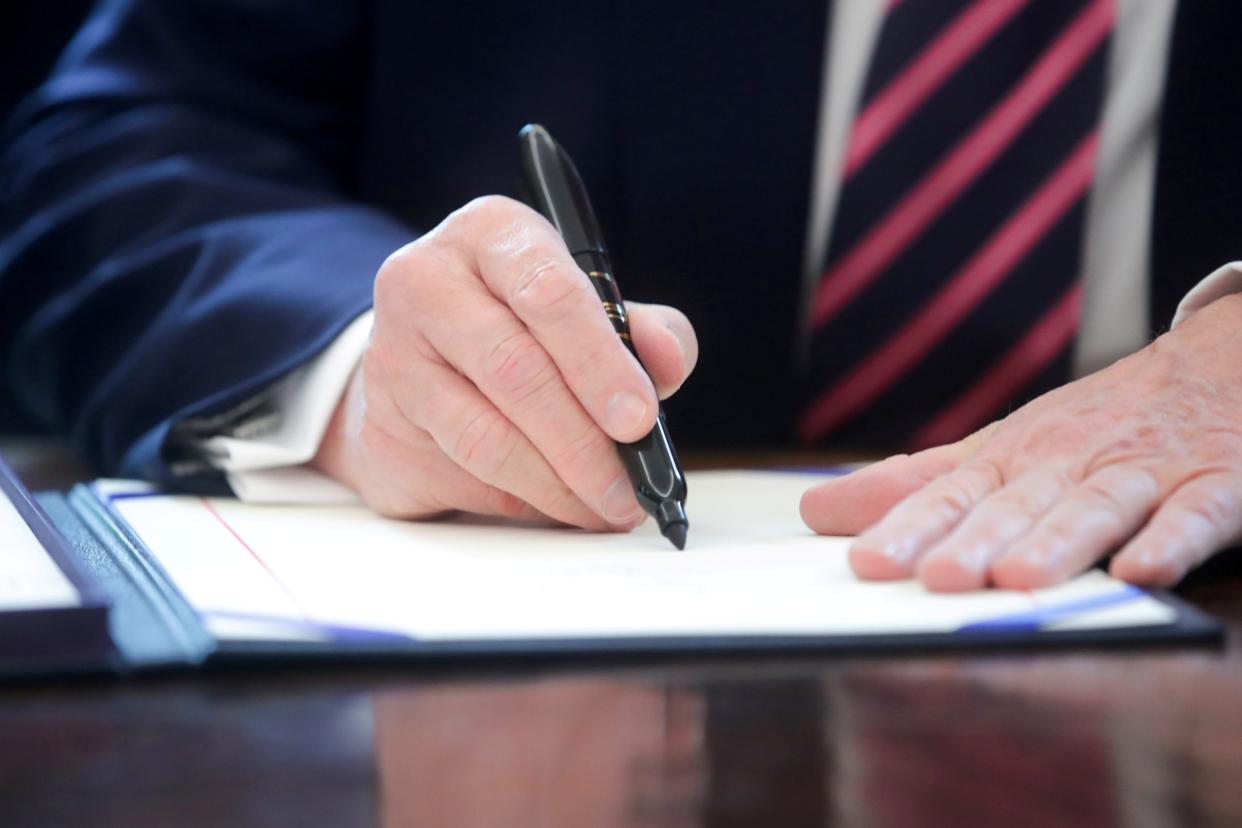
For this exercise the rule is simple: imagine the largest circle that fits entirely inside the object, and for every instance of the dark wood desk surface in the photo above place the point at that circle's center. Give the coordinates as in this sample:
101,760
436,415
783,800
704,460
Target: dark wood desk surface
1141,738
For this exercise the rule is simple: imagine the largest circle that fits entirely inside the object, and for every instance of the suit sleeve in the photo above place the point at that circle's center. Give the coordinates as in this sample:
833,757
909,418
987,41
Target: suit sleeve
177,231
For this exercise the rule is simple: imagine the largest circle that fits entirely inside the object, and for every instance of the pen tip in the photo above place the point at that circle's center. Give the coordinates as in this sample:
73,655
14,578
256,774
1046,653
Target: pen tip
676,532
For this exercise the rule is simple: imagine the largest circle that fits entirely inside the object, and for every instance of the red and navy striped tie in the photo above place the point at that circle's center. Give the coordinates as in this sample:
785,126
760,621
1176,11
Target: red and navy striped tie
951,287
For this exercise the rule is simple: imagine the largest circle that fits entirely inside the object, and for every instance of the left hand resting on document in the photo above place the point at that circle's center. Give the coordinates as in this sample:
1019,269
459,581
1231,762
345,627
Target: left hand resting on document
1144,457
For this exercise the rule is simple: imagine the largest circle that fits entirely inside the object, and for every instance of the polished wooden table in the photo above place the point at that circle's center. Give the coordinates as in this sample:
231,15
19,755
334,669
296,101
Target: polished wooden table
1093,738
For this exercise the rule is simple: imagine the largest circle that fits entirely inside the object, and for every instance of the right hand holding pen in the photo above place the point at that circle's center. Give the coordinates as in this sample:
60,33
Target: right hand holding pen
494,383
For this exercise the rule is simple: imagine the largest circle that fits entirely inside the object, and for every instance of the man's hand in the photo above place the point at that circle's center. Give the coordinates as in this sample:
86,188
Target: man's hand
495,384
1144,456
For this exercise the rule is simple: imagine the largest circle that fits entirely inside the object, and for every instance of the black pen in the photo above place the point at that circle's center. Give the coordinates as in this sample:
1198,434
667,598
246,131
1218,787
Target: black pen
558,193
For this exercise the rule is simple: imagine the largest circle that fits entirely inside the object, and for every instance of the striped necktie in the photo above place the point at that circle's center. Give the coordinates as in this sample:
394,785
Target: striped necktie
951,285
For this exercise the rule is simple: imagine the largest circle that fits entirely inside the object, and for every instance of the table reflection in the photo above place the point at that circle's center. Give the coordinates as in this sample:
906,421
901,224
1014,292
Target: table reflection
1044,741
937,749
1088,739
575,752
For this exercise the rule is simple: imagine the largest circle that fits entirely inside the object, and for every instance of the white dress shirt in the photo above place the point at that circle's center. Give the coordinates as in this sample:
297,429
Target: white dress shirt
268,467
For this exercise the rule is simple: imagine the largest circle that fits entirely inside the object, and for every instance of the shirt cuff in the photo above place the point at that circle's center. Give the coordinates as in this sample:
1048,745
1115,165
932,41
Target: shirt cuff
268,466
1219,283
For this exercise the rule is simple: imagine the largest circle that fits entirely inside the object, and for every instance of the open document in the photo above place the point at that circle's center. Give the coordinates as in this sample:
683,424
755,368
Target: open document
751,573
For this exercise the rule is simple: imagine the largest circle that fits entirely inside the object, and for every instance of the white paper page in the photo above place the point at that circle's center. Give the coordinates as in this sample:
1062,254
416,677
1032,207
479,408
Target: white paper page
750,568
29,578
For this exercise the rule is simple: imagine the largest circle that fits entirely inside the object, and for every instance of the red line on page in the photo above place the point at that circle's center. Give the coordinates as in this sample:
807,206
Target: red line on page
259,560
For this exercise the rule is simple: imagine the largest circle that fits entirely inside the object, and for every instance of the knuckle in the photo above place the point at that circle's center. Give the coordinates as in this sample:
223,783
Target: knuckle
948,504
604,355
953,496
1207,510
547,289
1144,443
961,490
411,279
390,279
1219,445
518,367
981,474
1033,495
486,222
1116,488
583,449
397,258
1104,499
1109,527
1055,432
485,444
485,210
394,385
1050,539
1021,502
563,502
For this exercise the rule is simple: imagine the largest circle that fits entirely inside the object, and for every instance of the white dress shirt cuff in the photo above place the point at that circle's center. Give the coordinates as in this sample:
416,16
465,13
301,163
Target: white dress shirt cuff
270,466
1219,283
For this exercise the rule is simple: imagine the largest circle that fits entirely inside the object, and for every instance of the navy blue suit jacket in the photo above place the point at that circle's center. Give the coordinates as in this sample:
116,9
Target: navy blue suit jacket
197,200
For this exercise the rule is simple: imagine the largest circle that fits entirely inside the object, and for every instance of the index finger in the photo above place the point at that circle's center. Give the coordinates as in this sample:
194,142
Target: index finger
525,264
892,548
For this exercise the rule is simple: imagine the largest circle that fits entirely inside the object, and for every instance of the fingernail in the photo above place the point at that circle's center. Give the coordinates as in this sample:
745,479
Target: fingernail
619,504
624,415
682,350
888,549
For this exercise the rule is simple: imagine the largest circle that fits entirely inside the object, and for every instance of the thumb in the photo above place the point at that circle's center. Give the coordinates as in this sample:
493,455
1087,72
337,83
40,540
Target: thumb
665,341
